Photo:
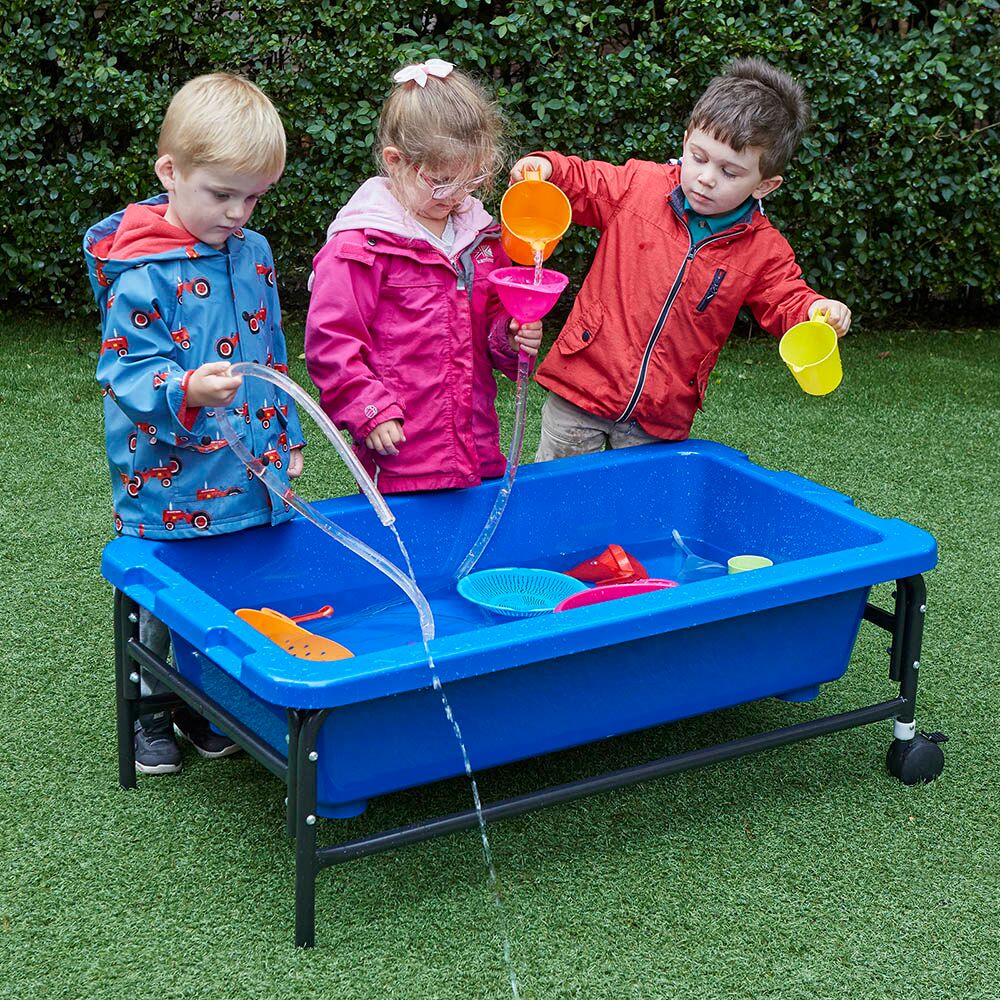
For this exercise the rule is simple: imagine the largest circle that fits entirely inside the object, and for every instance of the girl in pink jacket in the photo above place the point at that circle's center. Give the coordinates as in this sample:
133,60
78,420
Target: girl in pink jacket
404,329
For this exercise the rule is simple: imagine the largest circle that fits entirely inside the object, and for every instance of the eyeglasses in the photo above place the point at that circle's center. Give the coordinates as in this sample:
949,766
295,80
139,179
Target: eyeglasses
442,192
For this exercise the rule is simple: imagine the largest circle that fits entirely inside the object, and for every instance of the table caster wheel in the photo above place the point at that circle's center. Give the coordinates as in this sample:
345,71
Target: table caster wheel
918,760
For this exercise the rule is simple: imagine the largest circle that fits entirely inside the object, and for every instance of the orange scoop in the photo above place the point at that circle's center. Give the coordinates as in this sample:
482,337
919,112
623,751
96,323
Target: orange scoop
280,629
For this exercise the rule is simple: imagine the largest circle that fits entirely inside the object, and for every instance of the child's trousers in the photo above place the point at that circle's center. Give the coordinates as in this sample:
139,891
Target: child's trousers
154,635
569,430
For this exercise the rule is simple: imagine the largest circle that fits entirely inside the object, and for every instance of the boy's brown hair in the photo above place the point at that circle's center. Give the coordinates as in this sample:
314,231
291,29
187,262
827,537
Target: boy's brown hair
754,104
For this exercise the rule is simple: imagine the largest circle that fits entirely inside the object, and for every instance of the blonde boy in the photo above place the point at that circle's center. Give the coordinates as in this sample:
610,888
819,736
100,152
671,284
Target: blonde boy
184,291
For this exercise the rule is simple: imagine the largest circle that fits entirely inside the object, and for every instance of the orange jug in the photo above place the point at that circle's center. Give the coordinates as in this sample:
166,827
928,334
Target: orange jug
534,215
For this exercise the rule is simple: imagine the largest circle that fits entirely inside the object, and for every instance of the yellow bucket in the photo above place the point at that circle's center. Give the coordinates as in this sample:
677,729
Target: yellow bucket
810,350
534,214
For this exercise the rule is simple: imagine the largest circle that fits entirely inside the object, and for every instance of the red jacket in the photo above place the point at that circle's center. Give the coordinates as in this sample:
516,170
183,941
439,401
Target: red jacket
654,311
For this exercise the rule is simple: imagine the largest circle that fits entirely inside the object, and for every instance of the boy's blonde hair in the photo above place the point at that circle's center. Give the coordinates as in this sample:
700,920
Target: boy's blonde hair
226,121
451,121
754,104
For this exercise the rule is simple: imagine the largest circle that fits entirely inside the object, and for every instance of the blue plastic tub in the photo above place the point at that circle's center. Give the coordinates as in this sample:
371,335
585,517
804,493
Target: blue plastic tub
522,687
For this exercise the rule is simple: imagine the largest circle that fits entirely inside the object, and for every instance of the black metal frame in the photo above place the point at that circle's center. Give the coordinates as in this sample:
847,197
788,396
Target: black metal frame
298,771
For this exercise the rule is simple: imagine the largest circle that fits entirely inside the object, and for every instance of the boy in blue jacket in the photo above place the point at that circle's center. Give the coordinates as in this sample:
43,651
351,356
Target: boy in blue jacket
184,290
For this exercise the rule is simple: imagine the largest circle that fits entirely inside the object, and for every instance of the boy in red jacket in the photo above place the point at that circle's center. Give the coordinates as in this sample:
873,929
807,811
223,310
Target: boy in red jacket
683,246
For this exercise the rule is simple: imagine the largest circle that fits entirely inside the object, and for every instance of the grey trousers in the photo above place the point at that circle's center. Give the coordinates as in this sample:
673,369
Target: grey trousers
568,430
156,636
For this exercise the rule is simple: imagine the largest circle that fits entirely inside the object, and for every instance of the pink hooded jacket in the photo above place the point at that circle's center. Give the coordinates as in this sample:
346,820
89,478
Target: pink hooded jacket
397,331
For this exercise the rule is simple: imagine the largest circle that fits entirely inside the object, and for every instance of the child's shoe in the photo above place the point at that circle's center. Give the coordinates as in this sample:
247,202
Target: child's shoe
189,725
156,750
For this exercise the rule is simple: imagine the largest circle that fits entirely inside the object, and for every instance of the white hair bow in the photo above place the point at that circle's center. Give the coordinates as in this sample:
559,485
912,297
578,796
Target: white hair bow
420,71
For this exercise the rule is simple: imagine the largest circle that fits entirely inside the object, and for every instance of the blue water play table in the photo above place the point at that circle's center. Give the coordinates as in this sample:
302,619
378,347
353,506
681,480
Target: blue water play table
341,733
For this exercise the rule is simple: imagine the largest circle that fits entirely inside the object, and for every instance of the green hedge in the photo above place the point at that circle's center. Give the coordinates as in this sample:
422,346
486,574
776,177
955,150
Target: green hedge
892,203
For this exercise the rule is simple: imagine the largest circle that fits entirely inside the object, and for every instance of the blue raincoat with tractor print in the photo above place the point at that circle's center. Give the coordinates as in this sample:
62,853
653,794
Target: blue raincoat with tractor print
169,305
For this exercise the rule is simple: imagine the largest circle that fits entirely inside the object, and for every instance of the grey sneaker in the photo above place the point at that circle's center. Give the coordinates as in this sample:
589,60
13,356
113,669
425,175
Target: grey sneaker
194,728
156,750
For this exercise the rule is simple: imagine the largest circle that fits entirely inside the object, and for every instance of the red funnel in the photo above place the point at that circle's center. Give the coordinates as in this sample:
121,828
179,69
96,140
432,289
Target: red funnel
522,298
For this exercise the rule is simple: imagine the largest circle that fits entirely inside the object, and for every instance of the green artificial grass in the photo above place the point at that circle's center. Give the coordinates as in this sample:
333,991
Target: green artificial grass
804,872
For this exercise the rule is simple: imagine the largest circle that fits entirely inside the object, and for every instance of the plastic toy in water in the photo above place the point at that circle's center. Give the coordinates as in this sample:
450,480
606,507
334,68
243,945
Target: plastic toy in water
745,563
534,215
613,566
812,354
518,593
613,592
283,631
527,302
323,612
695,567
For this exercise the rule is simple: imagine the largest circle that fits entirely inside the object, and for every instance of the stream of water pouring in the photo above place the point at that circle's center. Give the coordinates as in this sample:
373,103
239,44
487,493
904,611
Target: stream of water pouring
407,584
539,258
487,852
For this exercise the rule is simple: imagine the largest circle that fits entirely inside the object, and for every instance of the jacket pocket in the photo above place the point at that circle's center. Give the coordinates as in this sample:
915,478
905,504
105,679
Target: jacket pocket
704,370
711,291
581,331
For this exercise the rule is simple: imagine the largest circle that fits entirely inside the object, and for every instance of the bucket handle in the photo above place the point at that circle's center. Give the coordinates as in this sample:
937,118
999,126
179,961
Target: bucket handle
531,174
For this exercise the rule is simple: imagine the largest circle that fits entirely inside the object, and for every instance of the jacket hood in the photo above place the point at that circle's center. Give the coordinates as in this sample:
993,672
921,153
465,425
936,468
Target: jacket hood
374,206
136,235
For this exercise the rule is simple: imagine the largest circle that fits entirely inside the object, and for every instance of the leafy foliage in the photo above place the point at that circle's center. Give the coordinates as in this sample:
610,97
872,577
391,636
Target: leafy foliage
891,204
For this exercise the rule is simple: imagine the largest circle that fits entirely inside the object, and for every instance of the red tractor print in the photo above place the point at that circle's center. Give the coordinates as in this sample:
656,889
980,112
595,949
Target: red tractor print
212,493
164,473
283,441
209,445
117,344
111,300
149,429
199,286
243,411
160,379
272,457
140,319
267,272
181,337
118,522
226,346
265,415
279,367
102,279
106,390
198,518
254,320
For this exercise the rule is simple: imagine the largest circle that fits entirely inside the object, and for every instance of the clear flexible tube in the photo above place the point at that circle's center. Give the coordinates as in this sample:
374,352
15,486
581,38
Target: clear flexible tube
524,364
326,425
285,493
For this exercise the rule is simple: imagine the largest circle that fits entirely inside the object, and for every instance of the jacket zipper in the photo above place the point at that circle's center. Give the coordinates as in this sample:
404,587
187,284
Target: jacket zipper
661,319
464,268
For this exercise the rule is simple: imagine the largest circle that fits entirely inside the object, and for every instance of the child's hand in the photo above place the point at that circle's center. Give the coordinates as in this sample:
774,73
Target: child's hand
385,437
525,337
295,463
212,385
838,315
538,162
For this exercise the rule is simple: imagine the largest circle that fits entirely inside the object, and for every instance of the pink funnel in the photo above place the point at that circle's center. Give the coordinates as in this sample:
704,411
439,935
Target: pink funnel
522,298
